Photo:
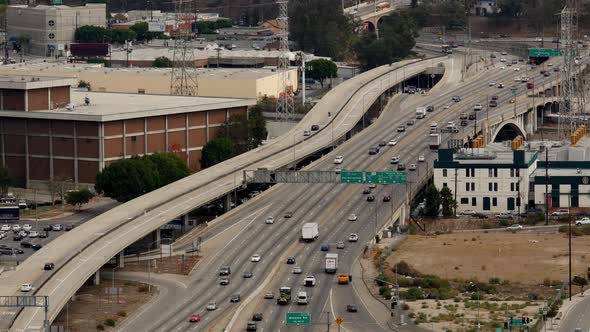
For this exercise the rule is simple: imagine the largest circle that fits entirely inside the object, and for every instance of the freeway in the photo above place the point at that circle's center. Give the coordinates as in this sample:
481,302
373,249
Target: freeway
328,204
575,315
82,251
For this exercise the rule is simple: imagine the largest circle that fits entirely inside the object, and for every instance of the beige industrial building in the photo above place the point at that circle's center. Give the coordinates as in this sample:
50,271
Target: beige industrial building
51,29
248,83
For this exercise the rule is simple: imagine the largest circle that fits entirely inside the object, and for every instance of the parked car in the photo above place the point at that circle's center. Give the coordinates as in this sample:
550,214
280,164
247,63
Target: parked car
560,213
515,227
583,221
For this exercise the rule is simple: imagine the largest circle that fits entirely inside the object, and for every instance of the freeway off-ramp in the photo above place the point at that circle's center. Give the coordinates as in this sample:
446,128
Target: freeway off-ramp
84,250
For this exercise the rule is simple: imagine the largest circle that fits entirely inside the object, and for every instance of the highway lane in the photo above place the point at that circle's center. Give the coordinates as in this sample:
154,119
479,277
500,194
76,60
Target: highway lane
577,317
94,243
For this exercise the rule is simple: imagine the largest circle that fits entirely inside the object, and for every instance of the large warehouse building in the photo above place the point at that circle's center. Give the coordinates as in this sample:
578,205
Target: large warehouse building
222,82
48,130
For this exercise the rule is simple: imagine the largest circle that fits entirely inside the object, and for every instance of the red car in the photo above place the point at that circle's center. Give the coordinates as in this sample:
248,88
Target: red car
530,86
195,318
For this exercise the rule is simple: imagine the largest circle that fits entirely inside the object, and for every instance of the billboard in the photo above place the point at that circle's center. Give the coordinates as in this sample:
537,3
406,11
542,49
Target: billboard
84,50
156,26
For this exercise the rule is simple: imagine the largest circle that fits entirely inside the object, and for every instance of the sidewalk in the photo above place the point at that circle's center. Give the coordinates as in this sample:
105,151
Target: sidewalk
567,306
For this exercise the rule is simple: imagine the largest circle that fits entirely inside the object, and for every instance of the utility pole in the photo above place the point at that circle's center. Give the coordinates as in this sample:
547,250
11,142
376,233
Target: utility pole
455,208
328,320
569,227
547,185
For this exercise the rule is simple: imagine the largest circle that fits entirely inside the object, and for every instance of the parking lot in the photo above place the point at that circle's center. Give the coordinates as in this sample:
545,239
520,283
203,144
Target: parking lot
11,239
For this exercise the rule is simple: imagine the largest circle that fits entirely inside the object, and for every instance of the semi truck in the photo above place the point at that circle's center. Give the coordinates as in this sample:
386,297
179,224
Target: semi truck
310,232
284,296
331,263
434,141
420,112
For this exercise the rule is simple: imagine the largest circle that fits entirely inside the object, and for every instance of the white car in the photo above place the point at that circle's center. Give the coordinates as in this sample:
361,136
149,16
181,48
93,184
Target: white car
515,227
468,212
583,221
340,245
549,64
392,142
255,258
5,228
421,158
297,270
394,160
269,220
27,227
353,237
477,107
33,234
211,306
516,69
502,60
338,170
306,133
309,281
446,107
500,85
338,160
492,83
26,287
352,217
412,167
517,79
561,212
502,68
16,227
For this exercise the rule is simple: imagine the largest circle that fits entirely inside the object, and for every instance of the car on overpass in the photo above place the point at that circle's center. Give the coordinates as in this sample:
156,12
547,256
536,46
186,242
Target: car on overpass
338,160
269,220
352,217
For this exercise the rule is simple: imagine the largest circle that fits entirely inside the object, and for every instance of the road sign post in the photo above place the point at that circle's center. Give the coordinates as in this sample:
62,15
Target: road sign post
298,318
339,322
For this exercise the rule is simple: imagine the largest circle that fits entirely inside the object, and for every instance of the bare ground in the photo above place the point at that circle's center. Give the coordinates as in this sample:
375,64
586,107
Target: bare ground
174,264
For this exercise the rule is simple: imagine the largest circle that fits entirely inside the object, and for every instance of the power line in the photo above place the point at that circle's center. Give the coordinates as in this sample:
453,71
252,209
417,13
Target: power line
183,81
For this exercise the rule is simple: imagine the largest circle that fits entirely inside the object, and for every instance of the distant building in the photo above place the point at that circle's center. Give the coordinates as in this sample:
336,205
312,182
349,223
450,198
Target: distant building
48,130
486,180
50,29
484,7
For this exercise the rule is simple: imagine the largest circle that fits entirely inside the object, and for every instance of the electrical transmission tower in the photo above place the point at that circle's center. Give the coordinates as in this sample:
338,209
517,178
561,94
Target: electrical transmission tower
285,104
568,104
183,81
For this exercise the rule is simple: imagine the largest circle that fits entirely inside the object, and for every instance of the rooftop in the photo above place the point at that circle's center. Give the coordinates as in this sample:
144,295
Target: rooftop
540,171
493,153
116,106
209,51
27,82
75,69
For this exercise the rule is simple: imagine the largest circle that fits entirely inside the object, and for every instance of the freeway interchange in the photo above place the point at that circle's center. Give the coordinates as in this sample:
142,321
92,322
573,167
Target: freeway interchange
236,236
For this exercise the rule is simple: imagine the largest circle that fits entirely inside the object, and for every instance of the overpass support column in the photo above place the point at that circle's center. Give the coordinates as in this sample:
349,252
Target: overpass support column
96,279
227,201
185,223
121,259
156,238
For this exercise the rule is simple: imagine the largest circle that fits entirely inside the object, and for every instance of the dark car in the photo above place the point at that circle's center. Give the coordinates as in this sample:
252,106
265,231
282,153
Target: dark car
48,228
472,116
315,127
48,266
288,214
366,191
17,237
401,167
291,260
43,235
494,97
409,123
479,216
251,326
382,143
351,308
36,246
386,198
456,99
247,274
464,123
373,150
235,298
257,316
429,108
25,244
370,198
493,103
69,228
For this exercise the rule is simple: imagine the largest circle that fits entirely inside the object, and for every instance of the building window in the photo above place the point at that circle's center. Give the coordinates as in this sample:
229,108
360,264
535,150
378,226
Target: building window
517,201
141,91
495,172
467,186
495,186
133,138
517,186
511,186
494,201
51,23
518,172
464,200
51,36
512,172
472,186
473,201
445,172
473,172
490,173
490,186
467,172
444,184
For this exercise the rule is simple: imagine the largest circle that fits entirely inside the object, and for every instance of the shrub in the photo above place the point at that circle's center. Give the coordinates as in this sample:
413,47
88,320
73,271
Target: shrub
547,282
122,313
385,291
403,268
504,223
414,294
405,307
109,322
494,281
143,288
99,327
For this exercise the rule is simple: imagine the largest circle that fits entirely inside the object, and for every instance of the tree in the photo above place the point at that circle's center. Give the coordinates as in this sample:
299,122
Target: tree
58,185
432,206
142,32
320,69
216,151
211,27
127,179
5,180
397,38
320,27
580,281
511,8
163,62
94,34
79,197
257,124
447,201
246,132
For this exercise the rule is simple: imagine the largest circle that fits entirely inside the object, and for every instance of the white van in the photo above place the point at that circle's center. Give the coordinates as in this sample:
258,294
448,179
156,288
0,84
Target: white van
302,297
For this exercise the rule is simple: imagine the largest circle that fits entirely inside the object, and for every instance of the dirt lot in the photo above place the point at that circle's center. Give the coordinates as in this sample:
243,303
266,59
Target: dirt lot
174,264
523,257
92,307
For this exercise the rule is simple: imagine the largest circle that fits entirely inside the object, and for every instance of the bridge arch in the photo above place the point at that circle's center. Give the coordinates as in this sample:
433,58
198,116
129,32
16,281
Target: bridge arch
507,131
369,26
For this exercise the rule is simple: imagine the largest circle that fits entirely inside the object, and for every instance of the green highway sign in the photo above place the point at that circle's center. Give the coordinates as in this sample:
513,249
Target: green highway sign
516,322
351,177
386,177
298,318
543,52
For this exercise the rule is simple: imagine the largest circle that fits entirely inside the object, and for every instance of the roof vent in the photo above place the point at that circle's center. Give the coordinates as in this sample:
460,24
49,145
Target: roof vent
70,107
579,171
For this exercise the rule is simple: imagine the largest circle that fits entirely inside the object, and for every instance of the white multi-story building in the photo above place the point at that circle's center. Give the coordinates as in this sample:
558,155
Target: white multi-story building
51,29
490,180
